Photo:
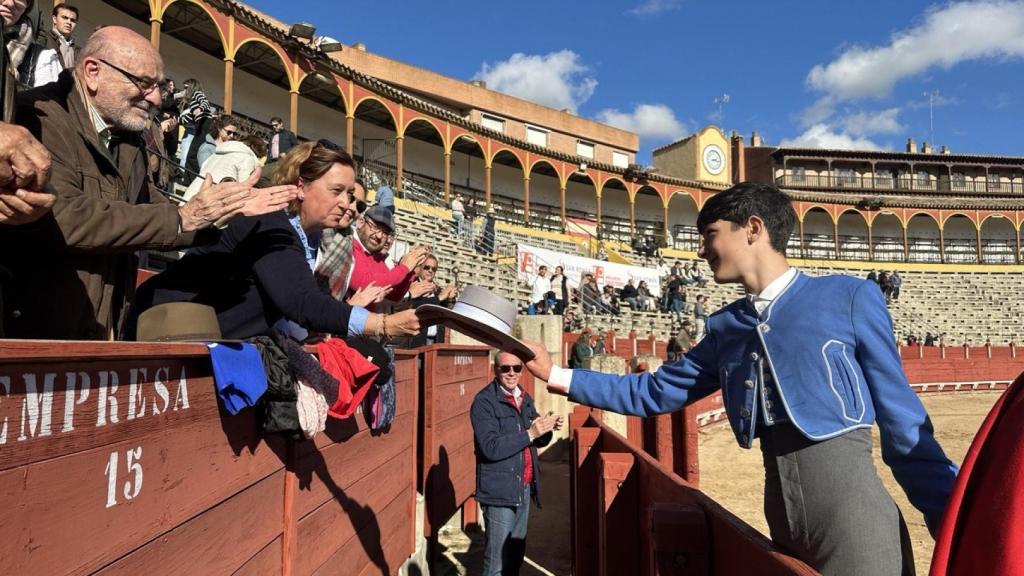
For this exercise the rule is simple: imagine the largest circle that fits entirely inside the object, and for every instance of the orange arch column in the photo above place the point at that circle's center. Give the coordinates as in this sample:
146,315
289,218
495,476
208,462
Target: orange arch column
293,112
399,162
526,199
229,84
561,193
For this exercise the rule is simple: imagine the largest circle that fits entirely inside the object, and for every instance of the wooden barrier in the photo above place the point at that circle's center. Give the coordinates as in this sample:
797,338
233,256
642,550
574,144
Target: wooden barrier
452,375
117,458
631,515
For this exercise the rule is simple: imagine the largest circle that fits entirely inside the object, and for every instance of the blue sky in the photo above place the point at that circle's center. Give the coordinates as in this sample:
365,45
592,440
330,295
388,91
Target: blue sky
819,74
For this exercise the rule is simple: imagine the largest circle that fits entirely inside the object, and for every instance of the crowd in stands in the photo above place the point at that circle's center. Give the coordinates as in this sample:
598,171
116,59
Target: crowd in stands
888,282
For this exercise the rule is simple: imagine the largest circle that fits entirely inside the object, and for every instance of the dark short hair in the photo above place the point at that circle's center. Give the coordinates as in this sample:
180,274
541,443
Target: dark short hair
276,119
64,6
256,144
746,199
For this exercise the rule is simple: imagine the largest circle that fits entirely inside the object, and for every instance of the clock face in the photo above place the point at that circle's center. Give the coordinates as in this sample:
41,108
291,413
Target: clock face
714,159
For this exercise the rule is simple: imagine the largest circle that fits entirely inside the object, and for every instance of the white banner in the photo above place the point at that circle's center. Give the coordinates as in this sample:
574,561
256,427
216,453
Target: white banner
530,258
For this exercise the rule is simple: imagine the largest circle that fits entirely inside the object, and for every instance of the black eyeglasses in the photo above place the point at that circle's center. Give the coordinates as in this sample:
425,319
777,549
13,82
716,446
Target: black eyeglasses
506,368
145,85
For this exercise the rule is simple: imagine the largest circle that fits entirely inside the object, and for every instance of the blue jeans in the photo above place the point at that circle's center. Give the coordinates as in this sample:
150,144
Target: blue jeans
183,148
506,537
677,307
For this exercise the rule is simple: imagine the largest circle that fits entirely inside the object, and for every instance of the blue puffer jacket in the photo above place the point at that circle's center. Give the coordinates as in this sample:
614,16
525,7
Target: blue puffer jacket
500,435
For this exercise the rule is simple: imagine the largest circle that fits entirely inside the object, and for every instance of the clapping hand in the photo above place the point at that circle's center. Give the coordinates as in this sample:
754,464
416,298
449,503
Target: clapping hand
215,204
369,294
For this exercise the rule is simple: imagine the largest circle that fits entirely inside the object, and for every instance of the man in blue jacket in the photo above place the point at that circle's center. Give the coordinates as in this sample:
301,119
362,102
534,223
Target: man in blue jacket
807,365
507,432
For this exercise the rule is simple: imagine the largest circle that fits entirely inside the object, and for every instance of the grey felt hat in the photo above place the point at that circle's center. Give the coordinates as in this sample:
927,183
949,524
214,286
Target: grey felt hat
482,315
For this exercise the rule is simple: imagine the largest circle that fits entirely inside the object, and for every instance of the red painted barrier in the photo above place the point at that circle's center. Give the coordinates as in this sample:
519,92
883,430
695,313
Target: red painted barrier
632,515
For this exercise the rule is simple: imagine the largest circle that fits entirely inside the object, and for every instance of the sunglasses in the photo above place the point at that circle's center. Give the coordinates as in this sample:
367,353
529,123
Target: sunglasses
506,368
430,268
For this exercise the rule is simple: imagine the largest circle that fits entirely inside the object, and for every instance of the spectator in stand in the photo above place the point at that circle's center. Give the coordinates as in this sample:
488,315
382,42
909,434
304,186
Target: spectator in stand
570,323
687,336
643,296
602,254
590,294
374,235
673,349
469,225
105,210
929,339
223,129
597,342
485,245
700,316
194,113
911,340
507,430
259,275
281,141
694,276
581,350
231,162
629,295
458,213
675,296
678,270
56,51
169,118
560,288
885,285
609,300
539,289
426,291
895,282
872,276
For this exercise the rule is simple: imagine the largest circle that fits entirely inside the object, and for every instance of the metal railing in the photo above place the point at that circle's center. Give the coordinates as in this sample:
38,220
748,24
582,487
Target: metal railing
902,183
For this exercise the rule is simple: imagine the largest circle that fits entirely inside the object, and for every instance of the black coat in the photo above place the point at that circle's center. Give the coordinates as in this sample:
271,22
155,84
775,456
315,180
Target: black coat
256,275
500,435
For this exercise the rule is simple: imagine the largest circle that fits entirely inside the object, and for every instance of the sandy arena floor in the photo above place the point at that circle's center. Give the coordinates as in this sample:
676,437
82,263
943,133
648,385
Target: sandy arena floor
735,477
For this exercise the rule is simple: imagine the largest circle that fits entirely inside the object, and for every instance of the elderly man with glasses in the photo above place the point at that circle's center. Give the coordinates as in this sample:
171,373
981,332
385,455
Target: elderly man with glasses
76,267
507,430
374,236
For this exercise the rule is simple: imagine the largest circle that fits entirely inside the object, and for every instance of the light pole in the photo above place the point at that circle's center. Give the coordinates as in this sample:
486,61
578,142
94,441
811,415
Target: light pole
931,114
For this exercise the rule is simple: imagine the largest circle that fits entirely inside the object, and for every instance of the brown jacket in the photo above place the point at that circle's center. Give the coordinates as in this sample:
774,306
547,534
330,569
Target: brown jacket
75,269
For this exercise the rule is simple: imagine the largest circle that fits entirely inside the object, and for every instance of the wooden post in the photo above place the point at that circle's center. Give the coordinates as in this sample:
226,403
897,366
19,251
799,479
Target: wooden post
399,162
583,501
229,82
561,192
678,539
871,247
690,458
526,199
350,129
617,517
447,178
154,32
598,222
293,114
487,184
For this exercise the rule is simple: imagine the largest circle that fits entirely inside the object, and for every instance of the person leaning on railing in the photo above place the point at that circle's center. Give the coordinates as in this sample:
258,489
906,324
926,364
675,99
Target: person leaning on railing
261,271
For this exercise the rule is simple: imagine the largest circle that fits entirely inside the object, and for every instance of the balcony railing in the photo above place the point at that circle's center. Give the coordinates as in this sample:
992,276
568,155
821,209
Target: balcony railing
901,183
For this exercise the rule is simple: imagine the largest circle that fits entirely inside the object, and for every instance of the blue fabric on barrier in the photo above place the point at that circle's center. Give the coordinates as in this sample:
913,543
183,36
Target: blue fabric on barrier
238,374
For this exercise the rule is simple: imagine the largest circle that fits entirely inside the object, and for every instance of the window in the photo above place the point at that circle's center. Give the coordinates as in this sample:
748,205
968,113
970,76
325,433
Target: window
799,174
620,159
924,180
883,178
537,136
845,177
585,149
993,182
493,123
959,181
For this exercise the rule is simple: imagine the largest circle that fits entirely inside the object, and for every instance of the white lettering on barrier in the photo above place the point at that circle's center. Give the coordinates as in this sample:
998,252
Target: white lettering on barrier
108,386
133,465
36,407
69,397
5,381
462,360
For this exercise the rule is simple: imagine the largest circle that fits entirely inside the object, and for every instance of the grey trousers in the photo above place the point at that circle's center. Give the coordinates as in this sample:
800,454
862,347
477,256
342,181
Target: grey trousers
826,505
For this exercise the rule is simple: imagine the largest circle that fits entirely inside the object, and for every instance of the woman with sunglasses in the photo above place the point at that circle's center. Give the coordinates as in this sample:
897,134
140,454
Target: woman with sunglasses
261,270
223,129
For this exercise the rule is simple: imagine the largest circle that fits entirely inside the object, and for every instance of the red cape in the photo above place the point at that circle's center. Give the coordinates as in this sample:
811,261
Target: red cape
981,532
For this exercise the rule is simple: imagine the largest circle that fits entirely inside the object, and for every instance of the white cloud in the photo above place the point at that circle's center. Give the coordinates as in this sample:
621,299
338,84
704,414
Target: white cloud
653,7
559,79
655,122
875,122
949,35
826,137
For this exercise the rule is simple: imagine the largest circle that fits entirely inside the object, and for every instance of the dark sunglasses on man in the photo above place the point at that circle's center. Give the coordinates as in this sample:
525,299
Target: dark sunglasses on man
506,368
